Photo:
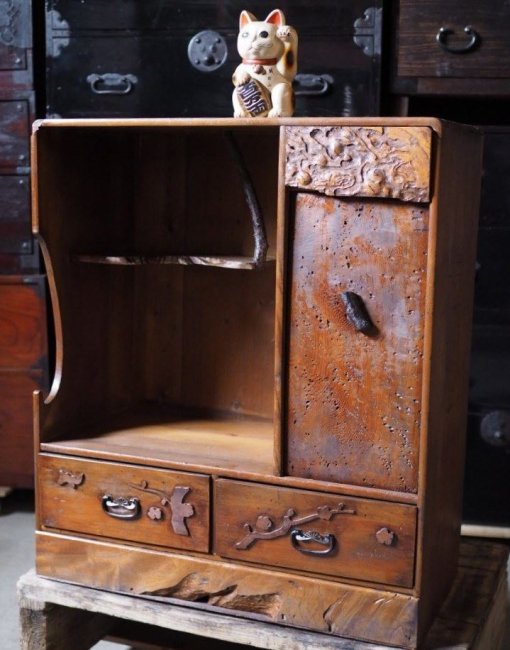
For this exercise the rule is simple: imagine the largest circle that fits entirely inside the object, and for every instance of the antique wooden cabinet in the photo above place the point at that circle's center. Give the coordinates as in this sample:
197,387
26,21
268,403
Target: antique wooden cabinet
273,428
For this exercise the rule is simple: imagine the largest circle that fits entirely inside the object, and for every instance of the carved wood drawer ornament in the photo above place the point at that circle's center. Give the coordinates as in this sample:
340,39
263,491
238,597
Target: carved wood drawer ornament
69,479
265,527
174,501
383,162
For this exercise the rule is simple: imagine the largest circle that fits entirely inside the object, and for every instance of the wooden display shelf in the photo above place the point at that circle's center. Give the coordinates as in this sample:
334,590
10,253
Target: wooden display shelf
184,442
242,263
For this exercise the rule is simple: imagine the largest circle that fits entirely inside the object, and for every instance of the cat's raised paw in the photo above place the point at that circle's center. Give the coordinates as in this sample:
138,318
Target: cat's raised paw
283,33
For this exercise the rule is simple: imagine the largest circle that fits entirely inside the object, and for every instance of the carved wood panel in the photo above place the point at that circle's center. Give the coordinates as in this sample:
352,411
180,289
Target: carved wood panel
385,162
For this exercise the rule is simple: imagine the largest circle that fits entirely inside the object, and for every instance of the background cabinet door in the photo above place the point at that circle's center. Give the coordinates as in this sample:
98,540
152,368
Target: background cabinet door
354,397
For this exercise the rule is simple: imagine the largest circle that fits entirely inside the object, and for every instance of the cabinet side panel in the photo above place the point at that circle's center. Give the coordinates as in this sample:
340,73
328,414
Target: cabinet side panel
354,397
454,216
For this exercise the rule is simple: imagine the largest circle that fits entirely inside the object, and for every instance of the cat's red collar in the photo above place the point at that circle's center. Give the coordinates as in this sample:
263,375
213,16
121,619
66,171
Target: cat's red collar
260,61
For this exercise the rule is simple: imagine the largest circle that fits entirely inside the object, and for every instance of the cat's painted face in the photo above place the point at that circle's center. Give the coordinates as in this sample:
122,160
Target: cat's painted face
257,39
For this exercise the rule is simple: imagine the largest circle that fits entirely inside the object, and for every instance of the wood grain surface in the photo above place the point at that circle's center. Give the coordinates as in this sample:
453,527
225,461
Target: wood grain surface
76,505
420,55
22,324
265,594
354,400
469,620
253,514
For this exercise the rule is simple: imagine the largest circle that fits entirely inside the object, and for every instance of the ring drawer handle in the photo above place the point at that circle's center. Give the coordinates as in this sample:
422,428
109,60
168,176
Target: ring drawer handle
356,313
112,83
121,508
297,537
442,39
312,84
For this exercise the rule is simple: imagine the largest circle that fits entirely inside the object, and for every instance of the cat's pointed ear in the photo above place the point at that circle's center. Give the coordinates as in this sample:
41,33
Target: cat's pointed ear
245,18
276,17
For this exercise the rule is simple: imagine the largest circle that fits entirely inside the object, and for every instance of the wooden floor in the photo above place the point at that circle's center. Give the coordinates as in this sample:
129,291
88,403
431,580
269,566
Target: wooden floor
59,616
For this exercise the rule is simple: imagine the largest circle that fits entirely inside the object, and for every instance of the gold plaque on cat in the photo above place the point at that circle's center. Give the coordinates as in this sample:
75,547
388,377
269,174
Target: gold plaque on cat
254,98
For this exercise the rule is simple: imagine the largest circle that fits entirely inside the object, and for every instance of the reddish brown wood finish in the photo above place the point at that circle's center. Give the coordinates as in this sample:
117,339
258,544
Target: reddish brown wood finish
156,364
254,524
452,252
71,492
22,323
354,399
376,615
23,369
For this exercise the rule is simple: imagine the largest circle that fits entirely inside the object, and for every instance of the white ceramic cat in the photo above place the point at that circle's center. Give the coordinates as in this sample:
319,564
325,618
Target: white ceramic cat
263,81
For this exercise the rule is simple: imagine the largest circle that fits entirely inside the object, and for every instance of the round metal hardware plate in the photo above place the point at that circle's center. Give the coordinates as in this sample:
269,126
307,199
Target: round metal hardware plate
207,51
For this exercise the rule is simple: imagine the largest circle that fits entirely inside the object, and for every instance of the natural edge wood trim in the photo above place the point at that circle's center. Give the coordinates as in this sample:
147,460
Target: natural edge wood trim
335,608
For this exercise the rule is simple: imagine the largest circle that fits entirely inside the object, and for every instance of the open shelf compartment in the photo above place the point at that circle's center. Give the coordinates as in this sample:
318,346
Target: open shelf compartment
159,362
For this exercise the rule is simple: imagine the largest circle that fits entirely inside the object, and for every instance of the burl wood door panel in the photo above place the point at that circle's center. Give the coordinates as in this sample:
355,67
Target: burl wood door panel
316,532
353,404
124,502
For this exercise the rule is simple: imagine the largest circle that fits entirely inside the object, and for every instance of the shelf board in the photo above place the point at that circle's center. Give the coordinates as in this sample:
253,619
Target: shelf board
210,444
220,261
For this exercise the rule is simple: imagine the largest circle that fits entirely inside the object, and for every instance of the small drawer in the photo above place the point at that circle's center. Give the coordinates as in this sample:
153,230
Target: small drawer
447,38
124,502
312,531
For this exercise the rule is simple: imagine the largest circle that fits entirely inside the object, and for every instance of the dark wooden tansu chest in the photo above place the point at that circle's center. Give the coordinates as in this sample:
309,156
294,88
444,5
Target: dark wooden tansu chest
168,58
279,434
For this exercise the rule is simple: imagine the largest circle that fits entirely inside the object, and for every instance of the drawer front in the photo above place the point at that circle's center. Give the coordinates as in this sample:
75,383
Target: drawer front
114,76
482,52
124,502
316,532
15,235
22,323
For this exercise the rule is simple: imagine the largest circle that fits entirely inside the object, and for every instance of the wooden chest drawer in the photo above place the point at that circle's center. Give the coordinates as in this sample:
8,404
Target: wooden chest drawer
312,531
473,41
22,322
124,502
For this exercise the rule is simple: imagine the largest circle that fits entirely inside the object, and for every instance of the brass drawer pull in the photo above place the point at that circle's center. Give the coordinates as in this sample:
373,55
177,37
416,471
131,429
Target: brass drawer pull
442,40
121,508
297,537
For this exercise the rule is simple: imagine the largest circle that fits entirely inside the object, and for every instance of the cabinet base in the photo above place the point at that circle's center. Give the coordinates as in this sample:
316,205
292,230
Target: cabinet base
472,618
287,599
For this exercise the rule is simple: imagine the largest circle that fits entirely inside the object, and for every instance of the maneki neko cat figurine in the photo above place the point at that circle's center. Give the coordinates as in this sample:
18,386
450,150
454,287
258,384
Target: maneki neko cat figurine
263,81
